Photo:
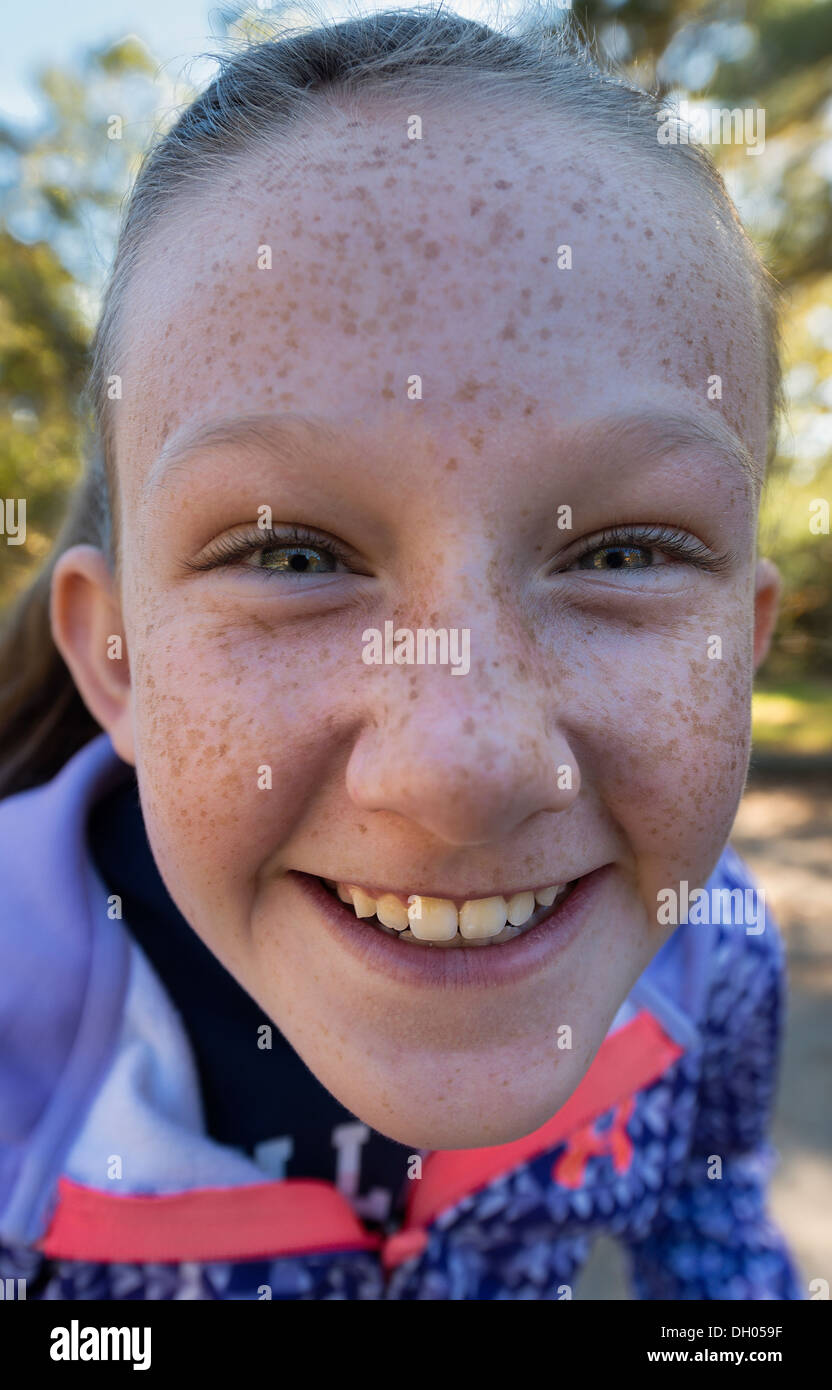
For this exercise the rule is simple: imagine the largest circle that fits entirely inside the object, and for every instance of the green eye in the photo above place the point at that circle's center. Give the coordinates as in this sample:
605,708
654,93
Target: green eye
296,559
630,549
291,550
617,557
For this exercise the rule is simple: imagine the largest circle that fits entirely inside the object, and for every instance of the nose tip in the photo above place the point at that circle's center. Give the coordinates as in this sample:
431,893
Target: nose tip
463,787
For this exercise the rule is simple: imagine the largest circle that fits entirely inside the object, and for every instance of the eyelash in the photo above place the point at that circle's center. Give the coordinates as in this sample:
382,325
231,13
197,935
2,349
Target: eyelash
231,548
684,547
246,543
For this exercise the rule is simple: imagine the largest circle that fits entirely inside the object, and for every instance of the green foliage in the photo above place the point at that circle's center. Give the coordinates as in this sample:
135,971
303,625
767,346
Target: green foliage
796,715
42,367
57,235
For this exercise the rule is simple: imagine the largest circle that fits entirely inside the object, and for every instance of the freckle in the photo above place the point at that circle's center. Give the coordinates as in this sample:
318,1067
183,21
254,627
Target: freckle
451,465
469,389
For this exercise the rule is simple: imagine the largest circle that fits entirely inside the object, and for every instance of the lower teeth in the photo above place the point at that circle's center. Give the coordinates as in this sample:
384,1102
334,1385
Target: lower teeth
455,942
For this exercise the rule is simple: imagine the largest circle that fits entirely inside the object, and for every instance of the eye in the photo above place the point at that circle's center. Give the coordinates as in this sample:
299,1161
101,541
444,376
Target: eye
291,552
624,550
617,557
296,559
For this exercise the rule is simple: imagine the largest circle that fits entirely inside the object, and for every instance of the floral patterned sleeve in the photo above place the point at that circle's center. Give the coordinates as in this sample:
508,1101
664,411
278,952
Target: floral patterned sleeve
712,1237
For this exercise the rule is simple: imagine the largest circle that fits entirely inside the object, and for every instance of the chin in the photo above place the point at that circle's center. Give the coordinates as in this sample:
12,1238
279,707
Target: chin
460,1131
465,1121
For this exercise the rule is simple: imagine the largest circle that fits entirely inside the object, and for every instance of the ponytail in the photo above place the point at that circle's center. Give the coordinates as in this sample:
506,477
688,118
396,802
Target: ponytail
43,719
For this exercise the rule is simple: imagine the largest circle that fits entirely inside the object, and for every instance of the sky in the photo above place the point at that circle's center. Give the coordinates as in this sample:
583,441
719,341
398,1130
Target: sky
175,32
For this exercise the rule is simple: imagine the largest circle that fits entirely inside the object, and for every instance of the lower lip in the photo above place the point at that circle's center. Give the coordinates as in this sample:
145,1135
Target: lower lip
475,967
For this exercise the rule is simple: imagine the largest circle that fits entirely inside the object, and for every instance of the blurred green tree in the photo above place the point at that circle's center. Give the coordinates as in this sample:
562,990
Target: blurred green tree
61,189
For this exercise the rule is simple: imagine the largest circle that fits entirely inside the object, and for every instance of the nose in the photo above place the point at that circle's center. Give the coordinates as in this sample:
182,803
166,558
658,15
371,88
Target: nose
467,758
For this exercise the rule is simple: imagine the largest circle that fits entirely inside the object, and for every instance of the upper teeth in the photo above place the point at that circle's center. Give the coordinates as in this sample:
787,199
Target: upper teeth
437,919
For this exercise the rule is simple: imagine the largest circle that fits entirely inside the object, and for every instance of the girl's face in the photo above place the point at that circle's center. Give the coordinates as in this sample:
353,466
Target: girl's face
383,341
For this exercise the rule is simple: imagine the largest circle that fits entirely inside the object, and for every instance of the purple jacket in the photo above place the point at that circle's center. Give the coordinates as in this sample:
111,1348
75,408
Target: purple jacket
110,1187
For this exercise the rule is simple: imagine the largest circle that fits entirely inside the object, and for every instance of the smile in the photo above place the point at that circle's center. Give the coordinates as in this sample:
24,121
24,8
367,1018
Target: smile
535,935
423,920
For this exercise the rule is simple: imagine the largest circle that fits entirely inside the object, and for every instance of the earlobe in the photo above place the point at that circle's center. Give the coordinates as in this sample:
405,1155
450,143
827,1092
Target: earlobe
766,606
87,628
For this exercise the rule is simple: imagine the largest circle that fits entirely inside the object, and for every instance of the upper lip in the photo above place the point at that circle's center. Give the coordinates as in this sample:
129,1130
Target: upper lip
458,898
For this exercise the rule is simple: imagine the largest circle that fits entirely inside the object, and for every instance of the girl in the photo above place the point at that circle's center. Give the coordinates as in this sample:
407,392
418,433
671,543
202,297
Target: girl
326,973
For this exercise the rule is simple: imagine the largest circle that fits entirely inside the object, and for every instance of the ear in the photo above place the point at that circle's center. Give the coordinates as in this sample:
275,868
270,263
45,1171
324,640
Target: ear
87,627
766,605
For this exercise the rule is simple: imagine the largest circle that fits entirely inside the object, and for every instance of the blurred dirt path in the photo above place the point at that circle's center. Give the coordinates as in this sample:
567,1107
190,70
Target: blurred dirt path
784,832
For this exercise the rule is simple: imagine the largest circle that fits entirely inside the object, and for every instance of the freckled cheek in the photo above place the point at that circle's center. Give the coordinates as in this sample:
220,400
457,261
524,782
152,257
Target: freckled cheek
221,743
670,751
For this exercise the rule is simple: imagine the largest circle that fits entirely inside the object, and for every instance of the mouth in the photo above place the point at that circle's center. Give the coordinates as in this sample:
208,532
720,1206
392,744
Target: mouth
527,946
451,923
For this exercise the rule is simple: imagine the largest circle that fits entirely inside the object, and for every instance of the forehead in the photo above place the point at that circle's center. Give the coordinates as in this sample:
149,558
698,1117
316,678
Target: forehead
520,268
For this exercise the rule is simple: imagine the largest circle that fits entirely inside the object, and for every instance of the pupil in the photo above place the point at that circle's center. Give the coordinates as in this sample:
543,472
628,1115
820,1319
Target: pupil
299,562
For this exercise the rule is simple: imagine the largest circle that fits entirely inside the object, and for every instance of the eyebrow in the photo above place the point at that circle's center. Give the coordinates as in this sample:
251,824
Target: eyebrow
276,432
656,432
651,433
